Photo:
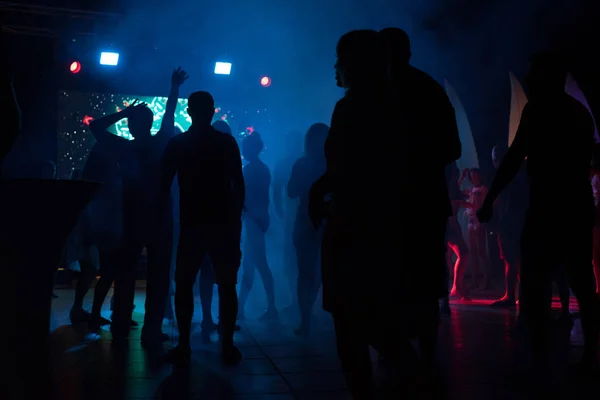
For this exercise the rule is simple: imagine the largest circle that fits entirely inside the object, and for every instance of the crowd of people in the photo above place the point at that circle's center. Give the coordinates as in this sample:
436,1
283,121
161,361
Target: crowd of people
380,256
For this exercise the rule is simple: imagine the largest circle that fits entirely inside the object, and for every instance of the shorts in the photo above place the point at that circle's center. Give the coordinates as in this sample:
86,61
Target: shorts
220,242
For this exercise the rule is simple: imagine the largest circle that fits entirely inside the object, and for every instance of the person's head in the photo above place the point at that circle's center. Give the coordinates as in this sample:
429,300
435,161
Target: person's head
222,127
498,153
201,108
360,59
252,145
547,74
140,122
47,170
314,140
475,176
398,45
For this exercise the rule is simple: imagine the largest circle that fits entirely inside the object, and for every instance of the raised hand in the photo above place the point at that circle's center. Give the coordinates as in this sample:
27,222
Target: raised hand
179,77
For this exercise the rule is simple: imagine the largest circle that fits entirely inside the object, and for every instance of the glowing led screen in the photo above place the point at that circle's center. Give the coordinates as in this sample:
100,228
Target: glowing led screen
77,109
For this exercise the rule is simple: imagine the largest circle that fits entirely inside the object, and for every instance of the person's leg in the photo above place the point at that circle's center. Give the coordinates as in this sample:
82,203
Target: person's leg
108,272
309,278
581,279
461,250
207,283
353,353
158,279
124,291
86,277
226,256
249,271
188,255
537,273
258,256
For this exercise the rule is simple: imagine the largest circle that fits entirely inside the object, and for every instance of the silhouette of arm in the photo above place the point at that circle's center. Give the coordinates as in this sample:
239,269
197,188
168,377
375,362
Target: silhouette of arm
512,161
167,126
237,175
99,128
295,184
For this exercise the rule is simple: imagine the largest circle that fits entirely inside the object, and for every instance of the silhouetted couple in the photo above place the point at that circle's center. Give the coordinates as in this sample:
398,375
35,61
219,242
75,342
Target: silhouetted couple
384,246
555,137
208,166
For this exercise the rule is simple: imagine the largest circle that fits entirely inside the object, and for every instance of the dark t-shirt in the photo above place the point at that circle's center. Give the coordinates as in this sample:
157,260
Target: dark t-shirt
207,163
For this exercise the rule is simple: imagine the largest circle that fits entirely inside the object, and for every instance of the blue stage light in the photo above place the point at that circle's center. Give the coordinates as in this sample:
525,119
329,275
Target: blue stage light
222,68
111,59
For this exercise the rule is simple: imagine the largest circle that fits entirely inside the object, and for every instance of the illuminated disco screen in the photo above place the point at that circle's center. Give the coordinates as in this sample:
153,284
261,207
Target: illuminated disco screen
77,109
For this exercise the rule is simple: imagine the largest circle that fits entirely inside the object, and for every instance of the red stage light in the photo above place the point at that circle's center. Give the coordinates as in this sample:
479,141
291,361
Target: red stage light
265,81
75,67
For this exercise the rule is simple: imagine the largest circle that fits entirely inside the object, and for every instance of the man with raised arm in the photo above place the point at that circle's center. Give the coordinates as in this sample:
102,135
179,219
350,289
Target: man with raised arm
559,224
208,166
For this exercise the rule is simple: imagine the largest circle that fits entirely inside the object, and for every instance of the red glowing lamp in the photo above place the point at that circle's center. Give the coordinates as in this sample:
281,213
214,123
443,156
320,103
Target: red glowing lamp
265,81
75,67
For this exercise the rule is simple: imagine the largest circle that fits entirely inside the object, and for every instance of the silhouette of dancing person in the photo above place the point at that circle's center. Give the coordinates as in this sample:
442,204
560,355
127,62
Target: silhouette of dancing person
307,242
206,281
432,134
256,224
550,157
140,164
365,219
211,194
207,275
285,210
454,236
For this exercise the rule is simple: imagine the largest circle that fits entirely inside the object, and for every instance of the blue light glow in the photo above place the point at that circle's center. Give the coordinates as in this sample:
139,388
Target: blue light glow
111,59
222,68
